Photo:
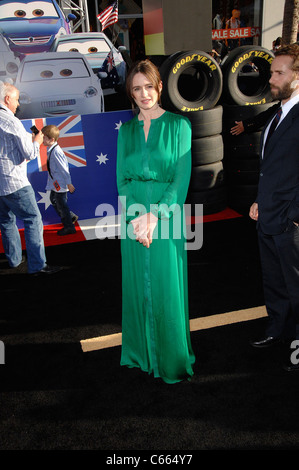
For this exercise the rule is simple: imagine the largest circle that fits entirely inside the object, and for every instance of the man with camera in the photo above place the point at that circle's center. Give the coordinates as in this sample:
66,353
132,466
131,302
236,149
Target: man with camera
17,198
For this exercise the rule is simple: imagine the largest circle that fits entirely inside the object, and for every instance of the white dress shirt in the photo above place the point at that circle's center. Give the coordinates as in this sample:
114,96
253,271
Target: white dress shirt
286,107
16,148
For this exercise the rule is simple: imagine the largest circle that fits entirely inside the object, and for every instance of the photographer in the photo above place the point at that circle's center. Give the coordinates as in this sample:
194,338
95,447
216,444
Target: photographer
17,198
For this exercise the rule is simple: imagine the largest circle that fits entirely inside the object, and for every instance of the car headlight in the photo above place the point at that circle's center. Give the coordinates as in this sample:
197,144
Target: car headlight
90,92
11,67
24,98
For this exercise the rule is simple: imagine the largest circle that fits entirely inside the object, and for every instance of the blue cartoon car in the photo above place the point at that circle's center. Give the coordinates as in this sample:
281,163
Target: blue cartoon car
31,26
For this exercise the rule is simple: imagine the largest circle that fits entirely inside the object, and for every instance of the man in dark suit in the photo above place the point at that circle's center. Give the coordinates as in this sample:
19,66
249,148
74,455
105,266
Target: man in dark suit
276,209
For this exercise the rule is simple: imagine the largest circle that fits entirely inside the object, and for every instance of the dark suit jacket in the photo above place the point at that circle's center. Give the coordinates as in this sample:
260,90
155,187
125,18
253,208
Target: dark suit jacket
278,193
256,123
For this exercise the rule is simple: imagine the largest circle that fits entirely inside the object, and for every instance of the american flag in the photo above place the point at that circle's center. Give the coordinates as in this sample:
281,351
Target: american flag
109,16
70,140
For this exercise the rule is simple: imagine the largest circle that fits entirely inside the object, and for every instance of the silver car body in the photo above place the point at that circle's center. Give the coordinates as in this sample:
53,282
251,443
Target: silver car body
58,84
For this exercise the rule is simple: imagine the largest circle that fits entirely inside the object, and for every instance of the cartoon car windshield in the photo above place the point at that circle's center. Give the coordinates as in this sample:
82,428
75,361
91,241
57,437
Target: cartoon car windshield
101,55
53,69
85,46
30,10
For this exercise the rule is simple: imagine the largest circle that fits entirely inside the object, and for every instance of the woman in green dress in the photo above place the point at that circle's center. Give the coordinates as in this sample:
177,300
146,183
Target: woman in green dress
153,174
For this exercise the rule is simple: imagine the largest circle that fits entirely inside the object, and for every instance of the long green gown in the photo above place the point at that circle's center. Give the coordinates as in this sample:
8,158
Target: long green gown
154,175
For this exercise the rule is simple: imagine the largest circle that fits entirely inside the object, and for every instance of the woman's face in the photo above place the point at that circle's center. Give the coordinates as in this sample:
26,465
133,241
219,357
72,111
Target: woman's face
144,92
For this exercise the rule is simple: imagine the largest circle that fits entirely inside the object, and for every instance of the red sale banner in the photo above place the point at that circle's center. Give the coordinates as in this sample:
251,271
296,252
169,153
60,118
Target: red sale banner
220,34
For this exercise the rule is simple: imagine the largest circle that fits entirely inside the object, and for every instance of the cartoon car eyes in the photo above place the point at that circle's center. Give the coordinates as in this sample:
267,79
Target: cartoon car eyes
66,72
21,13
90,50
46,74
38,13
49,74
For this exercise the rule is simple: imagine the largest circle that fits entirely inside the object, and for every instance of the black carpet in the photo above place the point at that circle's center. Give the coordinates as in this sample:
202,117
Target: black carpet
55,397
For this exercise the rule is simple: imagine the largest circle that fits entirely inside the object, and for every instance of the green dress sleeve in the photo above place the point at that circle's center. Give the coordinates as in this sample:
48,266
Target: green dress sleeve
176,192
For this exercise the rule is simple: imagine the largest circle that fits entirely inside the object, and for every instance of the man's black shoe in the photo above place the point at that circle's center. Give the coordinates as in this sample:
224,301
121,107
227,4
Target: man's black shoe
20,269
265,342
66,231
48,270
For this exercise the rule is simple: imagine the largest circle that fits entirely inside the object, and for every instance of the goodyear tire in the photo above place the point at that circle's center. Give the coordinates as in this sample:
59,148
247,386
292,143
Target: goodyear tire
207,150
247,88
243,178
192,81
206,123
243,146
240,172
213,200
247,144
205,177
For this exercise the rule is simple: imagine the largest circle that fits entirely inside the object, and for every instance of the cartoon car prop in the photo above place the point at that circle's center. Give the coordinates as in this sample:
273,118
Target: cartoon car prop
96,47
31,26
9,64
58,84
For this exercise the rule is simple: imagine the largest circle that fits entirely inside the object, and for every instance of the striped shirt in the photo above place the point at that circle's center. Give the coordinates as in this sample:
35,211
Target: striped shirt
16,148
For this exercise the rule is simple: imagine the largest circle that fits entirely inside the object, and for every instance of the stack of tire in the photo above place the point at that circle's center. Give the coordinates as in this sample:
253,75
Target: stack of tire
246,93
225,168
192,86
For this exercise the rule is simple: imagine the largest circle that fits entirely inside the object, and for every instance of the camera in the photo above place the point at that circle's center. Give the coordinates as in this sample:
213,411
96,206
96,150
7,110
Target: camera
34,129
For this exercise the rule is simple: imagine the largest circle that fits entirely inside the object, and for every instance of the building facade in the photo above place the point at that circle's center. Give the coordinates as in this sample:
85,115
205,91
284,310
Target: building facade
256,22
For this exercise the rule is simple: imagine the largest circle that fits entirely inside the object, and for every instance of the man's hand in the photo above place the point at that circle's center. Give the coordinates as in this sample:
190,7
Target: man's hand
38,138
253,211
238,128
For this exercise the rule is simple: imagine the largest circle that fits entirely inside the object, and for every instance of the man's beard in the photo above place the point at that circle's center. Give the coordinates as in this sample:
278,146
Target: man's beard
283,93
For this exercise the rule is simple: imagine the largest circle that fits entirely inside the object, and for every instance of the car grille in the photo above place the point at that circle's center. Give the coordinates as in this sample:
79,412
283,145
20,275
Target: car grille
54,103
30,41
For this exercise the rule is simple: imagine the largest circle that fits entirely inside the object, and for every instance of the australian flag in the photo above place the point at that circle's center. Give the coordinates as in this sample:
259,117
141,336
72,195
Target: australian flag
71,141
109,68
92,168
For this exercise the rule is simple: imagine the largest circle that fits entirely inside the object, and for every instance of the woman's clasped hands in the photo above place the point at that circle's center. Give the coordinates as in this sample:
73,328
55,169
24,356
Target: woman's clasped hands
144,227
